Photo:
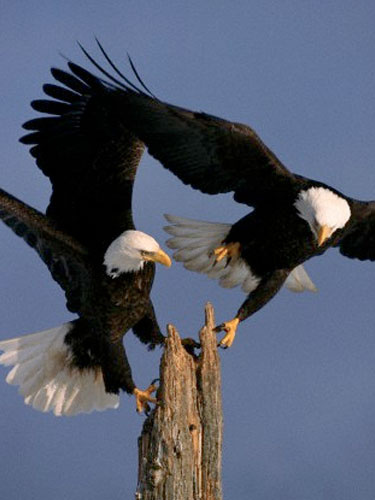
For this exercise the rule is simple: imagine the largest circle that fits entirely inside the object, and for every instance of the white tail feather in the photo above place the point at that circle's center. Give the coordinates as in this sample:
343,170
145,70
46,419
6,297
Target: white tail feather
48,381
299,281
194,242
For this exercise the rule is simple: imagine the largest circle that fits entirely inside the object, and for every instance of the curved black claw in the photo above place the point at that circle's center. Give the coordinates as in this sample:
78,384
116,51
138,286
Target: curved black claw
222,346
219,328
189,345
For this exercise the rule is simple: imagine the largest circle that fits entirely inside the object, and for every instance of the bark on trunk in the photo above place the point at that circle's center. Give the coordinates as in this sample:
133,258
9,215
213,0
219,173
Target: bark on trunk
180,445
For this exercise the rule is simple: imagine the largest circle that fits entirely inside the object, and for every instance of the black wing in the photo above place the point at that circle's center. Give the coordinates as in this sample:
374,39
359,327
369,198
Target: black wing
358,241
206,152
90,158
64,256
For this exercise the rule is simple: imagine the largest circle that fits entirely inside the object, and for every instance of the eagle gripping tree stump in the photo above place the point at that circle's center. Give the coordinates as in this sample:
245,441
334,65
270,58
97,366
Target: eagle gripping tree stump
181,441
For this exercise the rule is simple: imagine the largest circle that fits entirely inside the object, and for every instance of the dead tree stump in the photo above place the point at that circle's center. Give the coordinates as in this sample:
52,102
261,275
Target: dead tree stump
180,445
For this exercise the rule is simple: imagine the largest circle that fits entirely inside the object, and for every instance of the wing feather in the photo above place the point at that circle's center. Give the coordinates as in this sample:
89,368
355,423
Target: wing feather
358,240
206,152
81,144
63,255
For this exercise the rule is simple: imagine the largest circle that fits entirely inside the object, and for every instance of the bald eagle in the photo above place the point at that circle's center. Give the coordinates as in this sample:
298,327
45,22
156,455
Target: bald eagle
89,243
293,218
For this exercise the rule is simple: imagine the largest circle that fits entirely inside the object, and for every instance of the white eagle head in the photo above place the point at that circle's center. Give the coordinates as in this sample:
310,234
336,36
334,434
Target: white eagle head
323,210
130,251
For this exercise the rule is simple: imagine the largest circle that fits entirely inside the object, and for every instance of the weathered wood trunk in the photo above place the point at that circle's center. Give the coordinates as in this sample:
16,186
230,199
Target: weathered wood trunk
180,444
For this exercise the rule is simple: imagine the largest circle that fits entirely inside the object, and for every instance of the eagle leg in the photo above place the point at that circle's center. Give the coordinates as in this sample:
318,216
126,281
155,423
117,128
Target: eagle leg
230,328
230,250
142,398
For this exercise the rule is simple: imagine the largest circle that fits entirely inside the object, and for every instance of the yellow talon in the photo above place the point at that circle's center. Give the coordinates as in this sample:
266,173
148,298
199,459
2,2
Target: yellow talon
142,398
220,253
230,250
230,327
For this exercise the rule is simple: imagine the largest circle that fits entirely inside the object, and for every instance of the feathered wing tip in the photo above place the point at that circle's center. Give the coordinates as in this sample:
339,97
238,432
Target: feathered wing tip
194,241
47,380
299,281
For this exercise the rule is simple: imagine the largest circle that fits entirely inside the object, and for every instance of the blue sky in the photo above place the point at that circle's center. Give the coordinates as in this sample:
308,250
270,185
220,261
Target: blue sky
299,382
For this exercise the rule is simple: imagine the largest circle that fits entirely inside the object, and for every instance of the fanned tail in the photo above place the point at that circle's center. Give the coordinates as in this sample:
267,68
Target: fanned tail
48,380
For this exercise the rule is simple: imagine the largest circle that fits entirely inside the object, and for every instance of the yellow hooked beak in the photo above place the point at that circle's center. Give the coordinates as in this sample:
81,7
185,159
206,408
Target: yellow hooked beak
323,234
160,257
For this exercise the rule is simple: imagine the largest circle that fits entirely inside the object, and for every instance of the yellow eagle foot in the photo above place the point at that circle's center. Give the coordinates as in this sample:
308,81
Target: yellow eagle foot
143,398
230,250
230,328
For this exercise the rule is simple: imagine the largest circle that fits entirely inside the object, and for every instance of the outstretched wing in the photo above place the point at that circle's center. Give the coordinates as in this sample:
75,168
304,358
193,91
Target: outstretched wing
206,152
81,144
358,241
63,255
